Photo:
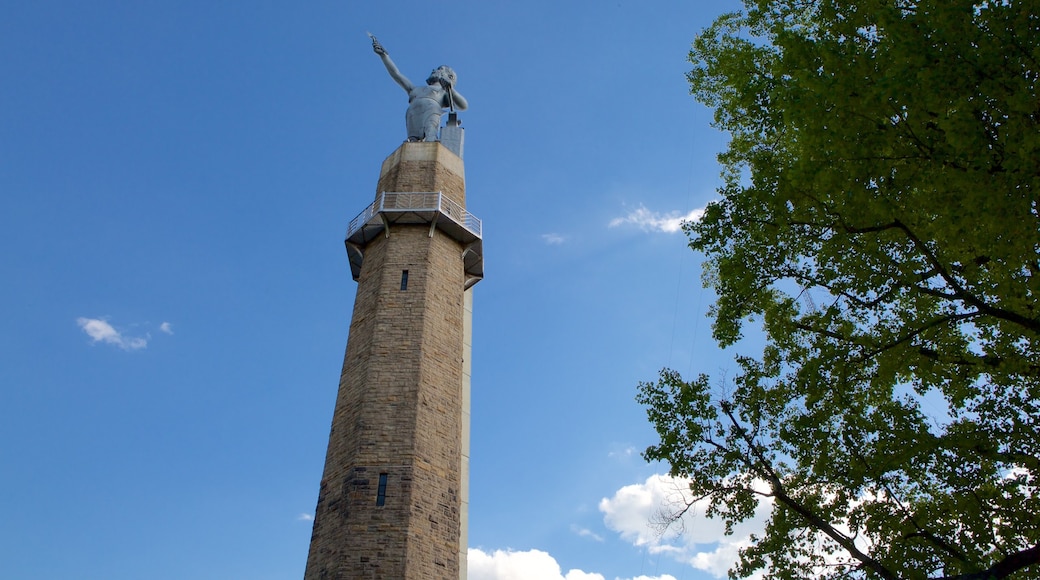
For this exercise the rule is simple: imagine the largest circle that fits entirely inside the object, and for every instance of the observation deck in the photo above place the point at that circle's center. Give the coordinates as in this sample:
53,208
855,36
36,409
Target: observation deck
432,208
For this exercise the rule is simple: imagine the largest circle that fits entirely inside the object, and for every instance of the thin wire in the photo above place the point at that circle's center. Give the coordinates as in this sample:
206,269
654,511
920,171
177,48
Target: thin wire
696,328
675,310
682,256
700,294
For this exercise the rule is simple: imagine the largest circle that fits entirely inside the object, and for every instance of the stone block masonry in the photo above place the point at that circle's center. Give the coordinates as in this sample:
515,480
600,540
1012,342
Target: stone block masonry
390,499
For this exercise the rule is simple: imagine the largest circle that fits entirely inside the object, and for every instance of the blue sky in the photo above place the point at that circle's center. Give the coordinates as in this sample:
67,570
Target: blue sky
175,182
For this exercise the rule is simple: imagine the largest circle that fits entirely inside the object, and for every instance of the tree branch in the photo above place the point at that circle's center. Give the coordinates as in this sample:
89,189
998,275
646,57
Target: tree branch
1004,568
961,292
815,521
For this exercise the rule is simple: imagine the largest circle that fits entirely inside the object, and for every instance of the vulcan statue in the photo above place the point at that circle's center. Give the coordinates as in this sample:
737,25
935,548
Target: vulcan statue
426,103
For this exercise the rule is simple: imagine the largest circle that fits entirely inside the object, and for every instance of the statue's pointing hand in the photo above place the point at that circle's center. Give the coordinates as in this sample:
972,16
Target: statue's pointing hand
376,47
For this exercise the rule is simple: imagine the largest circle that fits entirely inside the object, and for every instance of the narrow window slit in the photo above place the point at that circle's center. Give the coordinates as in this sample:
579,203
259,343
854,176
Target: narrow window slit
381,492
404,279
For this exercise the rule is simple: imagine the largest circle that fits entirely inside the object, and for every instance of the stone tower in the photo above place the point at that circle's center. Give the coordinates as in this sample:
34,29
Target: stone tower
393,495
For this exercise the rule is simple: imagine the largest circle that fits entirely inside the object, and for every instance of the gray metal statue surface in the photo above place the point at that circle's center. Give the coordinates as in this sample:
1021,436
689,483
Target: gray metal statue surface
426,103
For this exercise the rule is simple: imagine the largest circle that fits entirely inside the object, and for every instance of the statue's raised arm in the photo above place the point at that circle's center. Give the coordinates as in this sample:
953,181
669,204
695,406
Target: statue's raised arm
390,66
426,103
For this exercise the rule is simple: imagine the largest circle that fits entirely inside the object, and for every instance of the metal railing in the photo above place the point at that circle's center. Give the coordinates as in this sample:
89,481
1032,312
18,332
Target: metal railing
409,201
394,202
362,218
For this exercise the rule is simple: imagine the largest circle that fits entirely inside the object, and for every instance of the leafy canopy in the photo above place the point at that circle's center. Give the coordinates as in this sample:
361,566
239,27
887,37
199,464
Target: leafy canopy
880,218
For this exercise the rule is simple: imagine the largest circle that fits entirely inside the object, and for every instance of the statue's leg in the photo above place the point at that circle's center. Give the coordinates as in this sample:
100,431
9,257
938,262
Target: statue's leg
413,122
431,127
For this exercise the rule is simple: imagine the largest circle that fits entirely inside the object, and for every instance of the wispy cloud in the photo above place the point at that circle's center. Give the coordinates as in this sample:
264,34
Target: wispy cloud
653,221
695,539
99,330
553,239
166,327
586,533
622,452
305,518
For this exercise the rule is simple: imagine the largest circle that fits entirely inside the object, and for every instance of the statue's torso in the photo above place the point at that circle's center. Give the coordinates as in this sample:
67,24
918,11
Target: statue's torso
431,92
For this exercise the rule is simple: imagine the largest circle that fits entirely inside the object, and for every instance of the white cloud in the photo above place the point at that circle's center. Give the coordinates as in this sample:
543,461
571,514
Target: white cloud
718,561
700,541
166,327
553,239
305,518
101,331
652,221
512,565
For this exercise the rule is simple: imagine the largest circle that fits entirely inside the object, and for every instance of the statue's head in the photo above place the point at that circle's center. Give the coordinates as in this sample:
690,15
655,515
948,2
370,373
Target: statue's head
442,73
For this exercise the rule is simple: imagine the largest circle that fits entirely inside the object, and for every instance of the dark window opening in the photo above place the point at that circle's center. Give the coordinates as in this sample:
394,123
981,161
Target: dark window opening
404,279
381,492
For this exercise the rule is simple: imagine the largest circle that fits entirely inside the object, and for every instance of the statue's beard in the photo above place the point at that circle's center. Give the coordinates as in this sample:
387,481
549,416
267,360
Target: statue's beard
437,79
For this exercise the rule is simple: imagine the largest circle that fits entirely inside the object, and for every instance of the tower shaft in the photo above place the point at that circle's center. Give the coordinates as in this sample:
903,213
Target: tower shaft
391,499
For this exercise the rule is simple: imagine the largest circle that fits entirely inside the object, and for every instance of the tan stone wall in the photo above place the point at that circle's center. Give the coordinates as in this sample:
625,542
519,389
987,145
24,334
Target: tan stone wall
399,408
424,167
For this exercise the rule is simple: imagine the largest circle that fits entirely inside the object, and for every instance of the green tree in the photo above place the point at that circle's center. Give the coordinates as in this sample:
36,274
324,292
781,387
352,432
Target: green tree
880,219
